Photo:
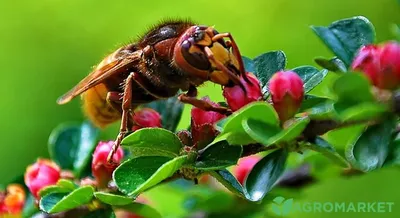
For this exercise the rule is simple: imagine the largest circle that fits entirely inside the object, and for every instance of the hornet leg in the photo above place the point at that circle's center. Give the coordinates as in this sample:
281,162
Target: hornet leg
126,111
190,98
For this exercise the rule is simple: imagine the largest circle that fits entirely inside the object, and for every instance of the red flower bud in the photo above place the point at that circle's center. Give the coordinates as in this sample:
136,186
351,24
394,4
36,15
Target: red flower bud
12,201
287,92
101,169
390,62
237,98
201,117
146,117
380,64
244,167
202,127
15,199
41,174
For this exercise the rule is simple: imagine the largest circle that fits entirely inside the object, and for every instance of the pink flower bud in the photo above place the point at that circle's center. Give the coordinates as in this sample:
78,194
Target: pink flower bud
390,63
380,64
287,92
101,169
244,167
237,98
146,117
41,174
201,117
202,127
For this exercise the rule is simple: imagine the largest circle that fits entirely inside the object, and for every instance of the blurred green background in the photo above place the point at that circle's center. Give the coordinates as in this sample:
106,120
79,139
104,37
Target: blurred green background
47,46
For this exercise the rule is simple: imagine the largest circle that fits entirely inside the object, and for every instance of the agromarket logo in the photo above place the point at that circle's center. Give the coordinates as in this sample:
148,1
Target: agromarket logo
283,207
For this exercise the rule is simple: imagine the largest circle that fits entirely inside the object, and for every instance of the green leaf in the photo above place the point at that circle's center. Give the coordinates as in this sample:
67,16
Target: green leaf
259,131
141,210
71,146
218,156
266,65
248,64
351,89
394,152
345,37
101,213
318,107
291,132
268,135
138,174
324,110
62,186
334,65
371,149
221,123
311,76
112,199
87,144
322,146
153,142
235,134
58,202
363,111
311,101
265,174
53,189
30,207
170,110
229,181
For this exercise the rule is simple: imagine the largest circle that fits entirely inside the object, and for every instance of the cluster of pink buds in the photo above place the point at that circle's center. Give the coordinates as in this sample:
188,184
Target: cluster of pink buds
286,88
381,64
44,172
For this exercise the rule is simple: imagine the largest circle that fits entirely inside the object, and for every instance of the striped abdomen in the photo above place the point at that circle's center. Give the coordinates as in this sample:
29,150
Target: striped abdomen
95,104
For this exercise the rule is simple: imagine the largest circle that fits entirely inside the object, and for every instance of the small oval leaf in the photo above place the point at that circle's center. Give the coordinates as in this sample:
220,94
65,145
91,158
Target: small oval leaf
112,199
218,156
363,111
322,146
58,202
334,65
71,146
138,174
229,181
371,149
344,37
153,142
266,65
264,175
260,131
351,89
232,129
311,76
